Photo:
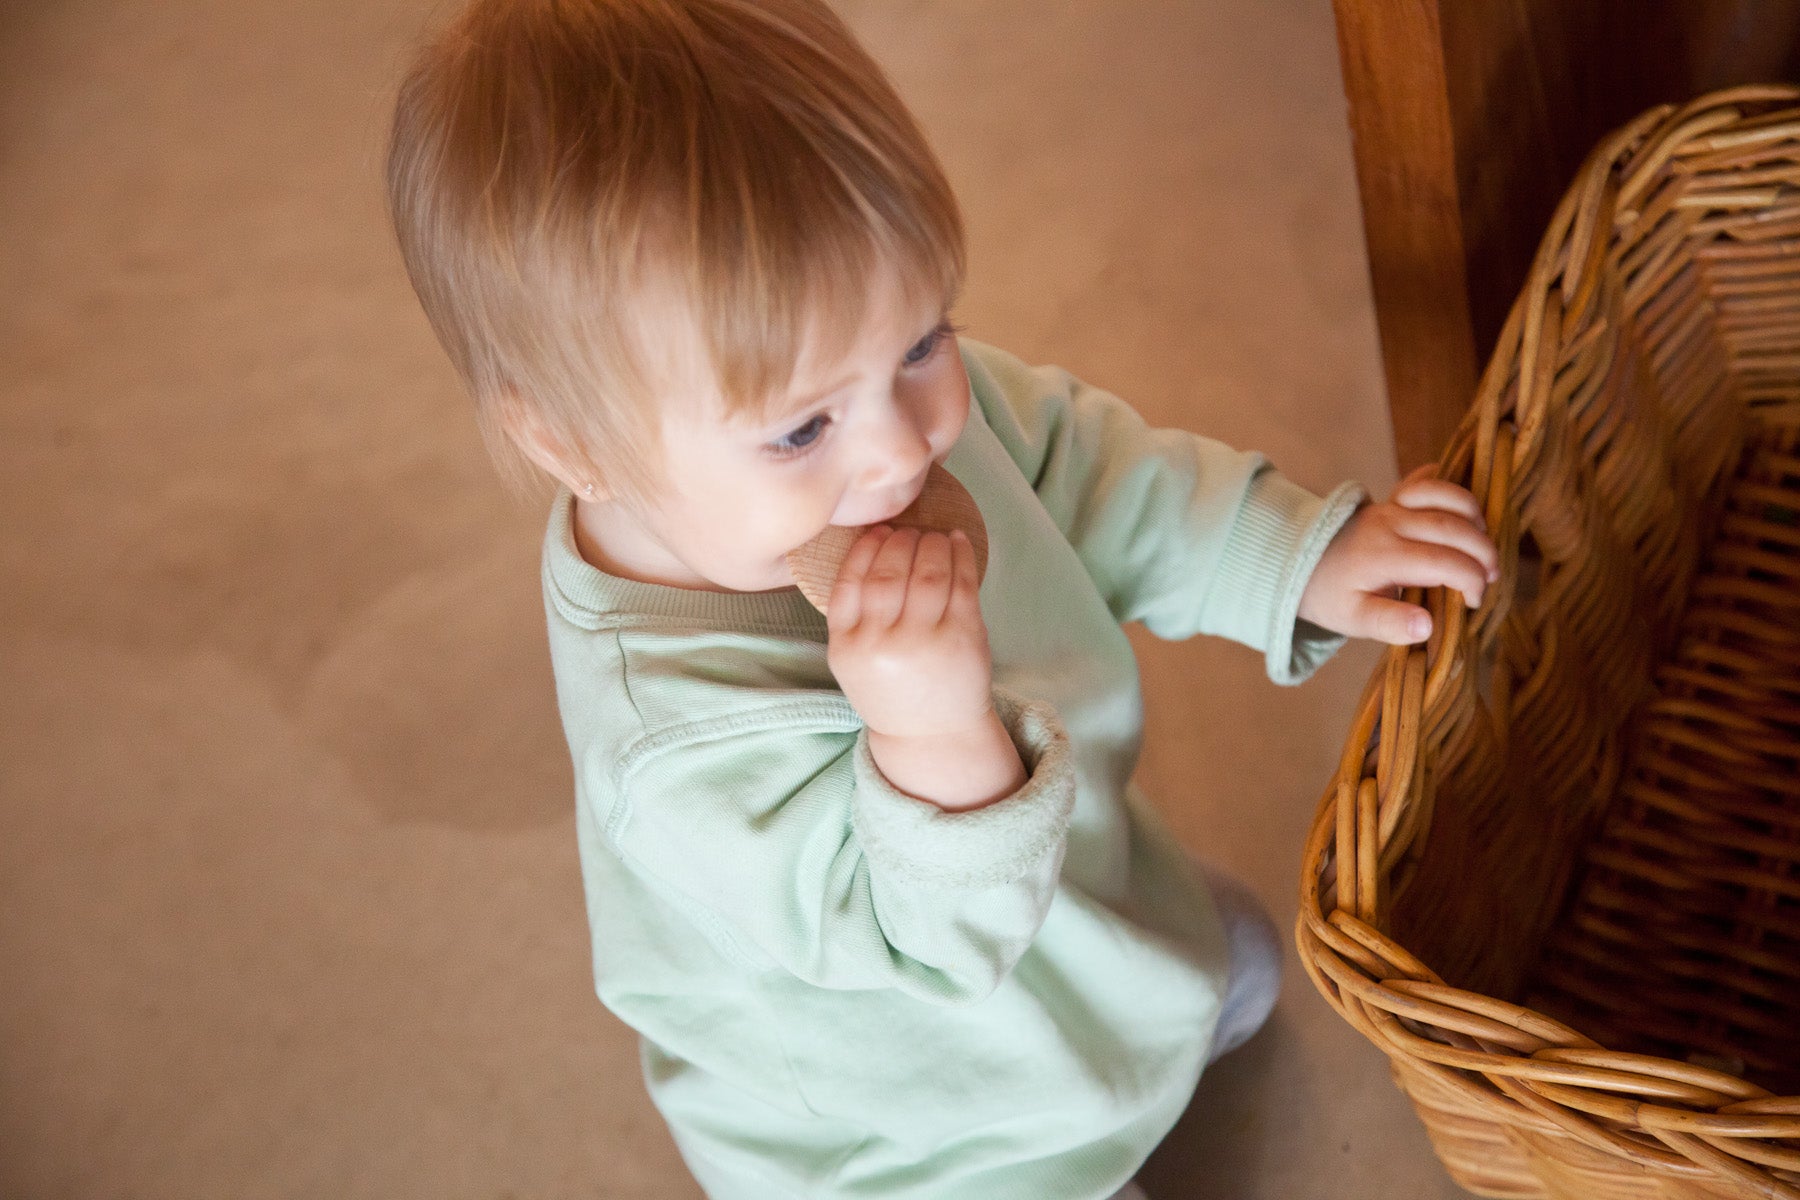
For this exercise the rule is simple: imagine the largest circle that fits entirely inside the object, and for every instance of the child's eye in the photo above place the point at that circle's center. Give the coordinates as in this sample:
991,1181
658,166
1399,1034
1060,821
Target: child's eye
801,440
923,348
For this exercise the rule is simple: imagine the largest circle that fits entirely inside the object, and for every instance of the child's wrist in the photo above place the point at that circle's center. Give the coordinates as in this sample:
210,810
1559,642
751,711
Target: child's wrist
956,770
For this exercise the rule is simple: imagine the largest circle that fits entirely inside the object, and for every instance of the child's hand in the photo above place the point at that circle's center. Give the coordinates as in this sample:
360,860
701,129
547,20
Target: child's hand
1429,533
907,642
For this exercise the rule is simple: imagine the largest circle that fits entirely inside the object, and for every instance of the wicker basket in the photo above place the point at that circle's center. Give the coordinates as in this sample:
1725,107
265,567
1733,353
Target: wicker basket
1556,878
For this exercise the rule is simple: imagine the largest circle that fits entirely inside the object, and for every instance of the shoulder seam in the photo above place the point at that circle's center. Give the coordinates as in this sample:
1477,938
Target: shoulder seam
625,676
810,715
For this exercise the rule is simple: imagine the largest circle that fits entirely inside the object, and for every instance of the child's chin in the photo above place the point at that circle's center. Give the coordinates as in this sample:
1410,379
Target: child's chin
778,576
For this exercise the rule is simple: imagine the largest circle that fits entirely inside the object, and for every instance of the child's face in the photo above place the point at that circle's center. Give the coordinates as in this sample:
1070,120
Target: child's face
852,447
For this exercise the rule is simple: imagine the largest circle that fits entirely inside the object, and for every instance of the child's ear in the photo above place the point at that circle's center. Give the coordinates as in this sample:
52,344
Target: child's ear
528,432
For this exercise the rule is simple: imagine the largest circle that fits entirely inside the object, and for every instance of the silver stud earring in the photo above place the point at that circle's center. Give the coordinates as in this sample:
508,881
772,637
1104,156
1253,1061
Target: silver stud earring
588,491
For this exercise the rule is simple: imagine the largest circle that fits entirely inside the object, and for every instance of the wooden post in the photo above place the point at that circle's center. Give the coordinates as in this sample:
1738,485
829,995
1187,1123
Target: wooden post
1392,52
1469,119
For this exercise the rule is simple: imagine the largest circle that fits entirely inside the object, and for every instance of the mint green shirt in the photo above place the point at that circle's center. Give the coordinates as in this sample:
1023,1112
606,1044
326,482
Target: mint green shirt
843,991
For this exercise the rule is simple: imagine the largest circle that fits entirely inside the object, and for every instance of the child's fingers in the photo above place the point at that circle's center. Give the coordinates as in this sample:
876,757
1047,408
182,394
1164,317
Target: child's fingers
1426,564
1436,526
928,590
884,587
1435,493
1392,621
845,608
965,590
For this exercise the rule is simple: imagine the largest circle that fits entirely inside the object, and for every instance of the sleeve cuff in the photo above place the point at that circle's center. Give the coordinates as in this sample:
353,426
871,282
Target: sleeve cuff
1001,843
1298,648
1280,534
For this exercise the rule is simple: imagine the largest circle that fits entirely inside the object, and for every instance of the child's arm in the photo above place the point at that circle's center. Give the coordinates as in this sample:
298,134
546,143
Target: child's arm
768,824
1177,530
915,846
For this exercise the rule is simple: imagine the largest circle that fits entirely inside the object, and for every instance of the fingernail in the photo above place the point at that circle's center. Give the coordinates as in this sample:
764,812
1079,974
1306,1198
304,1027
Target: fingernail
1419,626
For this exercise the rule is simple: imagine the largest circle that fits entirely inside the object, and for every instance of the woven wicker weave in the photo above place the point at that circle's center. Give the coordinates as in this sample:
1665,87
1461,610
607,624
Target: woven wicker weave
1556,878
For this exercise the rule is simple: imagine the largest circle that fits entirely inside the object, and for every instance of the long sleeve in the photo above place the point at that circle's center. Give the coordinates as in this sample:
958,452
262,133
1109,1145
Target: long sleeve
1178,531
778,835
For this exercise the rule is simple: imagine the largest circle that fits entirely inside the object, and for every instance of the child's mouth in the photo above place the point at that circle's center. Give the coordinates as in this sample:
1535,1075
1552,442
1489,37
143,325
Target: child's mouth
941,505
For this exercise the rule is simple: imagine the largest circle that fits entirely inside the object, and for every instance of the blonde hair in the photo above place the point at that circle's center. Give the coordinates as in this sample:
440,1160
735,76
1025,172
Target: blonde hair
555,164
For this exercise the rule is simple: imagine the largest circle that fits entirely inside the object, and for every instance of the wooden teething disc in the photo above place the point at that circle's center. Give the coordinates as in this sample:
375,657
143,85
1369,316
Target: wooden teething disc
944,505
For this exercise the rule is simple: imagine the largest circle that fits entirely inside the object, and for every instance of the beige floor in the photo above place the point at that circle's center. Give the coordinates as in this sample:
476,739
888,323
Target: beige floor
288,894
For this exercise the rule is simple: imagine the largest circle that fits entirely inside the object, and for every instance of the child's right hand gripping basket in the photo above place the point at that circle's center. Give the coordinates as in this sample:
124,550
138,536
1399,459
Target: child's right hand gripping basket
1556,878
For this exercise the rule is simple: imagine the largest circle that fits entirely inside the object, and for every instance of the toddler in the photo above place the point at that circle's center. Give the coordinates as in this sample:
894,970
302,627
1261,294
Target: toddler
872,884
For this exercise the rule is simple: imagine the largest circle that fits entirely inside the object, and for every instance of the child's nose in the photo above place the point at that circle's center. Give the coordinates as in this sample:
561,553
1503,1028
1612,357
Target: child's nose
899,454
